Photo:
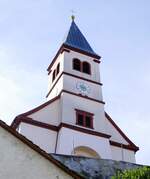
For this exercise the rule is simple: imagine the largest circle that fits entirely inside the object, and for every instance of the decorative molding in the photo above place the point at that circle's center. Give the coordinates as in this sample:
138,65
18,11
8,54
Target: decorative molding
124,146
82,78
49,72
97,61
36,109
80,95
120,132
54,84
57,128
67,49
75,76
76,128
87,131
78,110
40,124
81,51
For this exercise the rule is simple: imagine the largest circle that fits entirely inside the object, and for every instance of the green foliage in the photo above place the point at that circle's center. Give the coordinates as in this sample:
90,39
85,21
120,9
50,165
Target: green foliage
138,173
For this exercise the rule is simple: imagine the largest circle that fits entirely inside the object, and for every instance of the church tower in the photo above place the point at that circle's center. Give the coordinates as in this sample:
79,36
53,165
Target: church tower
73,120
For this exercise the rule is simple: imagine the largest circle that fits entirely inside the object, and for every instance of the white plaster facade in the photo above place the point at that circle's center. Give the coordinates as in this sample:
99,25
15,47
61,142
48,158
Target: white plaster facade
18,161
76,139
62,110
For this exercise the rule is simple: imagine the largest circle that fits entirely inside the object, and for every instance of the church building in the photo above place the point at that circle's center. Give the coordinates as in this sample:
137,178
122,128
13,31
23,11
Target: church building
73,121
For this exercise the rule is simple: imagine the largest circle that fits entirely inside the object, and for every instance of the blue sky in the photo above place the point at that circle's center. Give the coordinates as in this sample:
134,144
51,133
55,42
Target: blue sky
31,31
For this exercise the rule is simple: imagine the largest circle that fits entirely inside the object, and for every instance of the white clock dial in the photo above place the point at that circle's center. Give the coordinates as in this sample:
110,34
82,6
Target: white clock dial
83,88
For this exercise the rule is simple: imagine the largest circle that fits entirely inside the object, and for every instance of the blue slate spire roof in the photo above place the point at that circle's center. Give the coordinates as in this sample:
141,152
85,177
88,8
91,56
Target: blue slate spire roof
76,39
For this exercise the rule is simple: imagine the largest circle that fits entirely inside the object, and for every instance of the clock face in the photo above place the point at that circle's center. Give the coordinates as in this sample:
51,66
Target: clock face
83,88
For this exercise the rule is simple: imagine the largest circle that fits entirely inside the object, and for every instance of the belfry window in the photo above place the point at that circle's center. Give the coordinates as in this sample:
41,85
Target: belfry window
76,64
86,68
57,69
55,72
53,75
84,119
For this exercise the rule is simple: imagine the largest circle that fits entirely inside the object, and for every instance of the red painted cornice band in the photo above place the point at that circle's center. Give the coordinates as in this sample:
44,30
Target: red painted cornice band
75,76
76,128
67,48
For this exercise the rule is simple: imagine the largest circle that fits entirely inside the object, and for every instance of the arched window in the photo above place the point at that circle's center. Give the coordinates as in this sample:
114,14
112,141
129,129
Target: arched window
53,75
57,69
76,64
86,68
85,151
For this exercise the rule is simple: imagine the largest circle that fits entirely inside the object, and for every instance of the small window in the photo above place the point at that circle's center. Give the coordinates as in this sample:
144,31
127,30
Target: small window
53,75
76,64
80,119
86,68
84,119
58,68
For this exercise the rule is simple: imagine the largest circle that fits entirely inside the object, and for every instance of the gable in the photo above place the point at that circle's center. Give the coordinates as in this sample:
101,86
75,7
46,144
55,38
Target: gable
117,135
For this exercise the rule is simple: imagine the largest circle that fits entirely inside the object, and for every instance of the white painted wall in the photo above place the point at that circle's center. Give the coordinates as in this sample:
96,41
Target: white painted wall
44,138
65,59
51,114
18,161
69,139
115,135
60,59
71,102
57,89
122,154
70,84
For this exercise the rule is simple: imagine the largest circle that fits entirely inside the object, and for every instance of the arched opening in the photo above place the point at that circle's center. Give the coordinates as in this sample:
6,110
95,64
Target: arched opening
58,69
53,75
76,64
86,68
85,152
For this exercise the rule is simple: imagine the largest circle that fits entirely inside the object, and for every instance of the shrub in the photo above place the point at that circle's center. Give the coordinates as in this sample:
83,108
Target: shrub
138,173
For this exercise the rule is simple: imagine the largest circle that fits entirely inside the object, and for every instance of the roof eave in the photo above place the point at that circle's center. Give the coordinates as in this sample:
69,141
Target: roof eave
65,46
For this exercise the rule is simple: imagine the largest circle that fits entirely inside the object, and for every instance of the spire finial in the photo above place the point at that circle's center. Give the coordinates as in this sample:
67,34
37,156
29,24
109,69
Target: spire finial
73,16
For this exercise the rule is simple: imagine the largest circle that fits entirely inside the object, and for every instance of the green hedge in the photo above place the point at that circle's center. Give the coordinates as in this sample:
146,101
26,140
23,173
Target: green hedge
138,173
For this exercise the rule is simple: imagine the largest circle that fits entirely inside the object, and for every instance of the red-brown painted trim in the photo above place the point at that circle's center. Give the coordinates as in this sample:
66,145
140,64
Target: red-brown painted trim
65,50
97,61
49,72
40,124
57,128
128,147
54,84
79,77
82,51
120,131
78,110
54,59
39,107
39,150
75,76
87,131
85,97
67,47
